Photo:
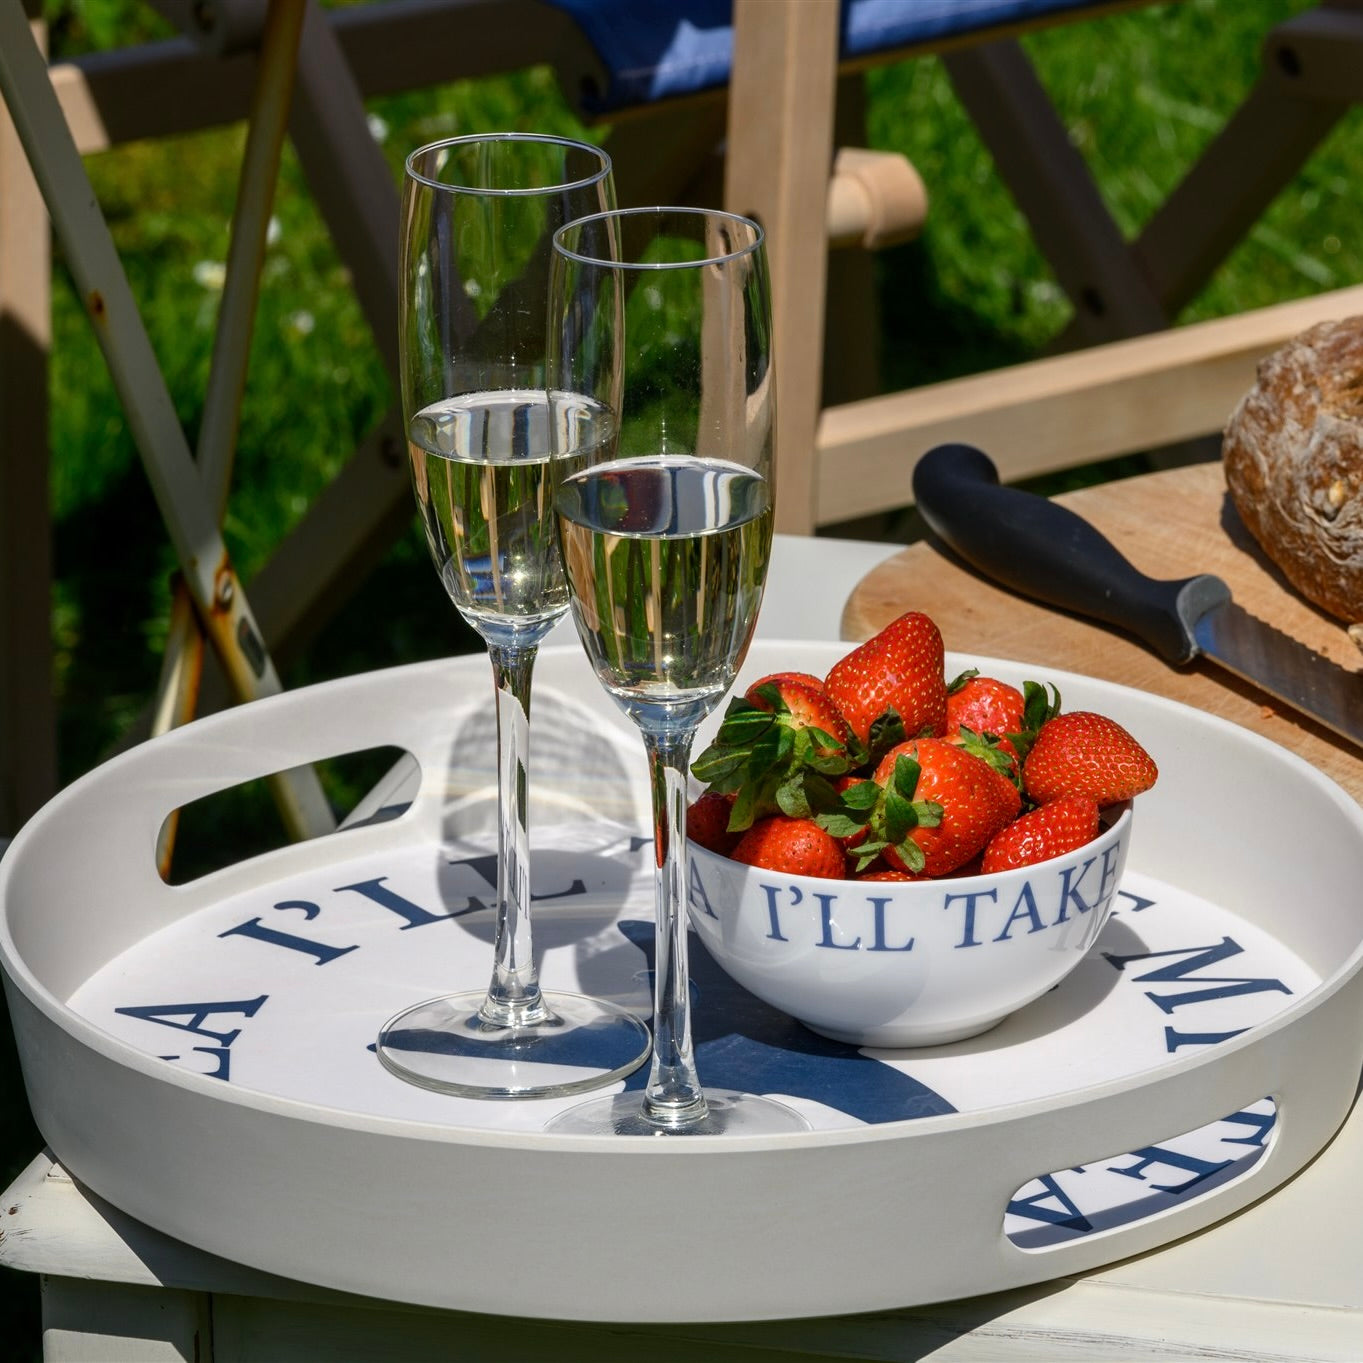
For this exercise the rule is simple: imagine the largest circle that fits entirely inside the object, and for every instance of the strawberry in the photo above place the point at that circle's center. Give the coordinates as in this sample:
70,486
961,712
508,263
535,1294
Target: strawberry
930,808
984,705
879,873
1059,826
707,823
807,678
1082,753
799,701
899,669
778,750
976,801
997,722
795,846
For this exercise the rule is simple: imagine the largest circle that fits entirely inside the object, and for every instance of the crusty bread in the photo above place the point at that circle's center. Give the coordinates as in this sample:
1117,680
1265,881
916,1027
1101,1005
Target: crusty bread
1293,457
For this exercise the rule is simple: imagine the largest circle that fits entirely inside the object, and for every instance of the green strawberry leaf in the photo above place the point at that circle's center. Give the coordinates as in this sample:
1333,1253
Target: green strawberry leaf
840,825
718,764
822,793
771,693
867,852
864,795
900,815
905,777
956,683
1040,702
886,732
791,798
987,747
744,811
910,854
929,813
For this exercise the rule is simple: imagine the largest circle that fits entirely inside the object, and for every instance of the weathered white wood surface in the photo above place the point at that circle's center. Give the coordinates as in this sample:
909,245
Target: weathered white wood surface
1277,1283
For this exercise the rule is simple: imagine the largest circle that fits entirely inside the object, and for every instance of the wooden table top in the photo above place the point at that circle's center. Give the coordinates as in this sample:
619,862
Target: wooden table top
1170,524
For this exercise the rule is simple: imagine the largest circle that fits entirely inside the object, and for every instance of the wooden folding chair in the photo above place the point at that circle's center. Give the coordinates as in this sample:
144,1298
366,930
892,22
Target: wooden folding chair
1141,386
706,100
781,71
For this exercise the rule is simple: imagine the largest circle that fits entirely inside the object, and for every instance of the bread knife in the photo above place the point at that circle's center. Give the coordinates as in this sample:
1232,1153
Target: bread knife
1043,550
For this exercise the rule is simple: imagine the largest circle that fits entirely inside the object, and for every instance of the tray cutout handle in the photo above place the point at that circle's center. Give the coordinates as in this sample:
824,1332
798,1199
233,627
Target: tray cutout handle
240,822
1070,1205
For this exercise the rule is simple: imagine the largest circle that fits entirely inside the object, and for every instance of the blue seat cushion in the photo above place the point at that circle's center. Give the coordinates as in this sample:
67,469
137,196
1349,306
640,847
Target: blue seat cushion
657,49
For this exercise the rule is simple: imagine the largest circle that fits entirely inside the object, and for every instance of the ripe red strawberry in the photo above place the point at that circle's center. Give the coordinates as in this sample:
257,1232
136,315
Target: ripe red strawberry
803,696
878,872
974,802
707,823
1050,830
900,668
796,846
984,705
1082,753
808,678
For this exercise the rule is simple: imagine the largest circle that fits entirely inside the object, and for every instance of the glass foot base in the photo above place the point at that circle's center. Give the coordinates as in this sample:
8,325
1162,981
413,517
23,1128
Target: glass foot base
443,1044
730,1114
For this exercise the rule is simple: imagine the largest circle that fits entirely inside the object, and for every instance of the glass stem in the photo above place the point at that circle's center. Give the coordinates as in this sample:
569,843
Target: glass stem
513,997
673,1096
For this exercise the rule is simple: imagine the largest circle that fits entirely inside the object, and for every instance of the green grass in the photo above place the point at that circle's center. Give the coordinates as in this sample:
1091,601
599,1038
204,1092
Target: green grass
1142,93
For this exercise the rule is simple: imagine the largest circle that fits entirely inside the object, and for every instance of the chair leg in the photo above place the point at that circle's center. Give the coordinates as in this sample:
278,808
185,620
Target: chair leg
28,719
1051,184
186,509
1266,142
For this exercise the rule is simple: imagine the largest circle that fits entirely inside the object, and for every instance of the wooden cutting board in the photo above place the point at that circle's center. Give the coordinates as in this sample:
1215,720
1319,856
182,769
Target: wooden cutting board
1171,524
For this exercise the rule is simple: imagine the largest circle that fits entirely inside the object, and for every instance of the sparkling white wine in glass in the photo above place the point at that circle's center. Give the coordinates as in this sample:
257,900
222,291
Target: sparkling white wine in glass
663,316
480,470
478,218
666,561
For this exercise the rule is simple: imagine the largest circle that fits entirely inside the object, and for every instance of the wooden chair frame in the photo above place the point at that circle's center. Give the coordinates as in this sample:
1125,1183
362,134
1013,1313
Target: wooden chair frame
1142,386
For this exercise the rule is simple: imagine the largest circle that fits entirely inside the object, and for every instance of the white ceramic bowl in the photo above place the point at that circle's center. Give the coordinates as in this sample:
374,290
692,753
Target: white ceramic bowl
906,963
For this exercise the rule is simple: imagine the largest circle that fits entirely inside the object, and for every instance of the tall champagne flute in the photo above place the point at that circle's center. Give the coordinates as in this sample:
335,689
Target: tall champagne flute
662,317
478,218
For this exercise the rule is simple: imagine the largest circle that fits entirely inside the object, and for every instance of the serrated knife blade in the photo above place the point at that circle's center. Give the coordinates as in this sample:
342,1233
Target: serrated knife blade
1044,550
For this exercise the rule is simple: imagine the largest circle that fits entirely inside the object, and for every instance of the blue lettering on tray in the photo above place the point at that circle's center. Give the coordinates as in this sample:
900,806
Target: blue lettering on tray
1150,1156
1195,959
1129,902
1052,1206
377,892
486,867
1043,1200
256,929
194,1016
1262,1123
1173,1038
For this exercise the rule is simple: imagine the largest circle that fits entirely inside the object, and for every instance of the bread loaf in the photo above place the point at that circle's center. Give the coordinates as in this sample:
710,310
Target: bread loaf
1293,458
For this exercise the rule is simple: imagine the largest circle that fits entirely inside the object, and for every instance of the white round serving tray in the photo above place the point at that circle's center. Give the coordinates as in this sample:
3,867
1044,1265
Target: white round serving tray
198,1054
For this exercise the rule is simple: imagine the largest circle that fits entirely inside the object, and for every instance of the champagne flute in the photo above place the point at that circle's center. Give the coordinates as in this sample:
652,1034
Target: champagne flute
662,316
478,217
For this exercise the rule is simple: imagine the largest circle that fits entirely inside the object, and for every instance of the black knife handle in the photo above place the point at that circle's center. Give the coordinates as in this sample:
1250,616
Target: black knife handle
1045,551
